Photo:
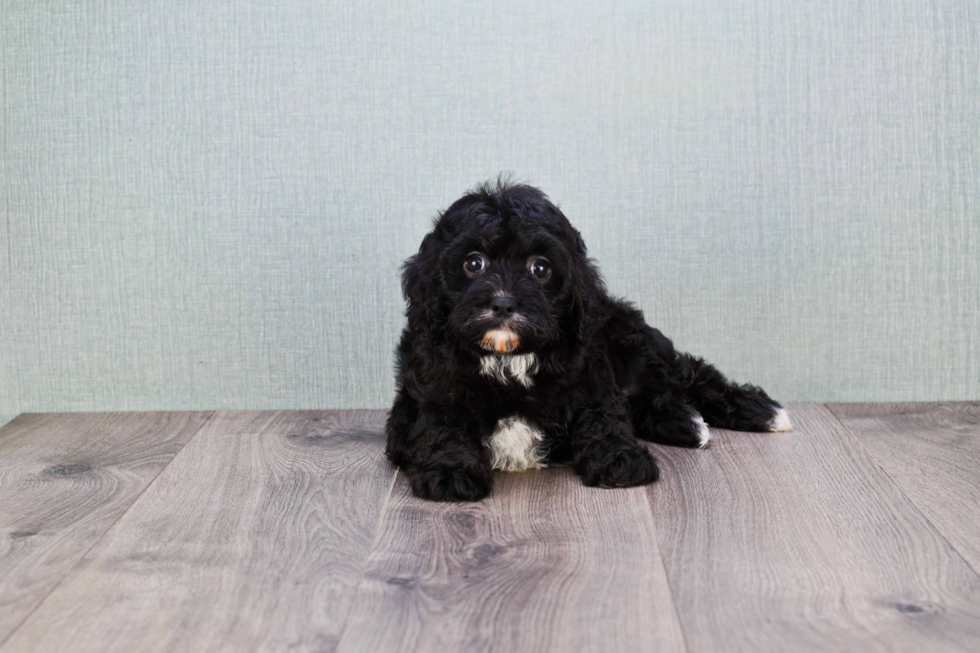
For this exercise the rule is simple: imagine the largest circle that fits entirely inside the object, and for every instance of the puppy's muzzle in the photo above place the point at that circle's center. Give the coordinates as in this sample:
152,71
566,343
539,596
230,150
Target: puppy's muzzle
502,341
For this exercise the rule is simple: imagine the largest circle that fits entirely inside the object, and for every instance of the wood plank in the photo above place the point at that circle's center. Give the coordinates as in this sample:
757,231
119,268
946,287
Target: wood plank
543,564
253,538
932,452
64,480
798,541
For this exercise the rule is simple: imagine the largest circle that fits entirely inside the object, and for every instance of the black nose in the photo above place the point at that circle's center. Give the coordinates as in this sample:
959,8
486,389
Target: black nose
503,304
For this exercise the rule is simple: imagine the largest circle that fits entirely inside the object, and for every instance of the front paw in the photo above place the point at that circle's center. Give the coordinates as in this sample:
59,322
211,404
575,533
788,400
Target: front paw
616,464
447,483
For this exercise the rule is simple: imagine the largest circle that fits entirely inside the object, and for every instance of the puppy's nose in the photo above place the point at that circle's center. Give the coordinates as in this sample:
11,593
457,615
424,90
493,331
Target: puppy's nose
503,304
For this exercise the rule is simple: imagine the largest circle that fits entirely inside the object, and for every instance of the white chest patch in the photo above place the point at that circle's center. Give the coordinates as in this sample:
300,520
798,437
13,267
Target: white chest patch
515,446
519,367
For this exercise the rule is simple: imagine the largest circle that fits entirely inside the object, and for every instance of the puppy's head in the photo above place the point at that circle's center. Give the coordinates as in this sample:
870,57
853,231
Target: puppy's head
503,271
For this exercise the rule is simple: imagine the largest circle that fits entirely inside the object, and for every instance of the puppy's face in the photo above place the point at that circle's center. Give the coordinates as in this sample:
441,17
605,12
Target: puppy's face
502,273
505,280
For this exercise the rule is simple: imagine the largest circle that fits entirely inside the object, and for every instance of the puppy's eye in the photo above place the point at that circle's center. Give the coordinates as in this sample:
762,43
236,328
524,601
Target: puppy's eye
540,268
474,264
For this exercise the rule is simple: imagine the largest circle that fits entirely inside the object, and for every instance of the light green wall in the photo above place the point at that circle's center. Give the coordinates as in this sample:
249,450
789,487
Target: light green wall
205,203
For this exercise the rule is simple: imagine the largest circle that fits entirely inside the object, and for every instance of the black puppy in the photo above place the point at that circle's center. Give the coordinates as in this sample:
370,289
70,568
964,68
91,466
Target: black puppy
514,357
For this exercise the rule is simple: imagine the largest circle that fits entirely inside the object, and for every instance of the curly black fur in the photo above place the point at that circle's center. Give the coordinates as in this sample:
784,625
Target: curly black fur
600,377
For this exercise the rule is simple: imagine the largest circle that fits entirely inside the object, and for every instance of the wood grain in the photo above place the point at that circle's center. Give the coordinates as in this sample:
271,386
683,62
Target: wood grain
253,538
543,564
64,480
932,452
798,541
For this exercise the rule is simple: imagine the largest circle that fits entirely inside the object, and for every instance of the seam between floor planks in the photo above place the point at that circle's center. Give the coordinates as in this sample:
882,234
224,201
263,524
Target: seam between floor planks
908,498
99,539
670,586
367,558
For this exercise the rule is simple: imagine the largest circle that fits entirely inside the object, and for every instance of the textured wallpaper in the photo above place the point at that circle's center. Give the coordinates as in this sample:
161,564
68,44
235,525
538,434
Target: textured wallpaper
205,204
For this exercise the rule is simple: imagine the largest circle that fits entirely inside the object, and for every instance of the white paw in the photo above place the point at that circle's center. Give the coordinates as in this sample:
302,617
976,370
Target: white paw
704,435
780,421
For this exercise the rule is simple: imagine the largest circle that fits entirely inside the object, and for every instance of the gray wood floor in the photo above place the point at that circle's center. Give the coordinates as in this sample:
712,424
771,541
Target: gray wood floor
275,531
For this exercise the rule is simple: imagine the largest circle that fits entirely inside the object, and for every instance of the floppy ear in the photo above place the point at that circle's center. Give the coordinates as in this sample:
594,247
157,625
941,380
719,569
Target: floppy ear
586,293
420,284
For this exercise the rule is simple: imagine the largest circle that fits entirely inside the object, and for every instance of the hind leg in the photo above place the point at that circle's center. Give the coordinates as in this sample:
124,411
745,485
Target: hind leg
673,394
668,419
728,405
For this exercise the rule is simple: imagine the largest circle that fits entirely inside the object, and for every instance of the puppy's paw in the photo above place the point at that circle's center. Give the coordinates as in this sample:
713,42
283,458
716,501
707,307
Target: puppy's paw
701,431
447,483
682,428
692,431
780,422
616,464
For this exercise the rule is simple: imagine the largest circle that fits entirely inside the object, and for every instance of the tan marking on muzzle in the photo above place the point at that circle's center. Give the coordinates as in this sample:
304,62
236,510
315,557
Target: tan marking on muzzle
502,341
